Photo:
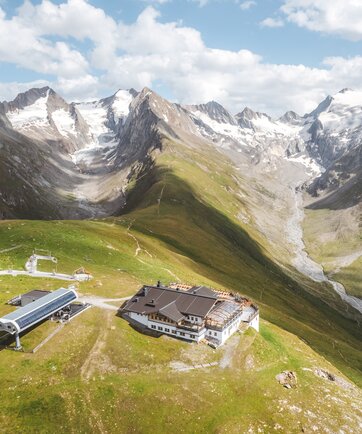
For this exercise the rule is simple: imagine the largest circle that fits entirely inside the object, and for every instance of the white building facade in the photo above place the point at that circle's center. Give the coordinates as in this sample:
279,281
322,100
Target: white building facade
194,314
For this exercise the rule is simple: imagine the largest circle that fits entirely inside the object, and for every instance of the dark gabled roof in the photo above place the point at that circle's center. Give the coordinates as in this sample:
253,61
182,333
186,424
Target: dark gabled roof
152,299
170,311
202,290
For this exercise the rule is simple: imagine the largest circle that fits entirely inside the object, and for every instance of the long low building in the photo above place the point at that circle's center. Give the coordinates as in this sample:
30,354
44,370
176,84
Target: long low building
27,316
190,313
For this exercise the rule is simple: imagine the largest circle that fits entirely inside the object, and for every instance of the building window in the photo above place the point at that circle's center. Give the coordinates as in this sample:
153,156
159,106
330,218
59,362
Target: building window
159,328
153,326
192,336
167,330
182,334
174,332
215,334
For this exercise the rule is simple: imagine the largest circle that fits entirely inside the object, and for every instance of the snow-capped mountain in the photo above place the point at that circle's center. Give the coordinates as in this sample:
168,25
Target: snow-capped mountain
102,140
317,140
43,115
77,127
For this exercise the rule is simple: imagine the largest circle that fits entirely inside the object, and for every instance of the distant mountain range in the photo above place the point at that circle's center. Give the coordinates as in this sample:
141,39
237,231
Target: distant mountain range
73,160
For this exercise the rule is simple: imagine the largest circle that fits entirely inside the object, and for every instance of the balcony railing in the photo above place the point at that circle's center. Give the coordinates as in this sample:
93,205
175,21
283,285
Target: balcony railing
219,326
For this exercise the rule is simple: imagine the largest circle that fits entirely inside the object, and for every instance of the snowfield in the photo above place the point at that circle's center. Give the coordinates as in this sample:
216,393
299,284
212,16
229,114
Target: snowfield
64,122
32,115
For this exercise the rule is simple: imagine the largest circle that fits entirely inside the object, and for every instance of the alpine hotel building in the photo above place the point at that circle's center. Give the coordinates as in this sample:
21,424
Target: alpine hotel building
190,313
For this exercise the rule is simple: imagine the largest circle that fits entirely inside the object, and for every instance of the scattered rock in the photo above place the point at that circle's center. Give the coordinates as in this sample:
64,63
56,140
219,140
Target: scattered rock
249,362
331,377
288,379
325,374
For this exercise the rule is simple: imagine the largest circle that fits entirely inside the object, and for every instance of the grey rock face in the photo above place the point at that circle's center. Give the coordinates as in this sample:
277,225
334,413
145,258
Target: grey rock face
79,144
247,116
292,118
26,98
215,111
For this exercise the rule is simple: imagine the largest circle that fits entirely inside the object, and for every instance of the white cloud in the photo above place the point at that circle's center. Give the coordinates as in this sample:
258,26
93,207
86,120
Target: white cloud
44,38
272,22
10,89
201,3
160,2
247,5
340,17
21,45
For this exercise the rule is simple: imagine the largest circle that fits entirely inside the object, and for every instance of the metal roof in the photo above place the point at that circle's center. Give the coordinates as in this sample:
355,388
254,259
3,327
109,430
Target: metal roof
38,293
38,310
152,299
171,311
202,290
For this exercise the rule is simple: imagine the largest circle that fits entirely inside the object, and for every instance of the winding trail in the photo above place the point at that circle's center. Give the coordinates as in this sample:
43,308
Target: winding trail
139,249
11,248
159,200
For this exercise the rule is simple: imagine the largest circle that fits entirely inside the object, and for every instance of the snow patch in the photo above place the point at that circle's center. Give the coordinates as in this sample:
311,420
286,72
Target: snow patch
121,104
225,129
95,114
64,122
32,115
344,113
313,168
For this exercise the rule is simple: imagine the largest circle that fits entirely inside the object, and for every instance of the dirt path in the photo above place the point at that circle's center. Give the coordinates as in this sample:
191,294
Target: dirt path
102,303
92,362
97,362
11,248
229,351
172,274
159,200
44,274
183,367
139,249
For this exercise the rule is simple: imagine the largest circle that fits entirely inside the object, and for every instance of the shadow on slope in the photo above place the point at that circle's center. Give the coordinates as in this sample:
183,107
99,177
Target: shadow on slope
164,206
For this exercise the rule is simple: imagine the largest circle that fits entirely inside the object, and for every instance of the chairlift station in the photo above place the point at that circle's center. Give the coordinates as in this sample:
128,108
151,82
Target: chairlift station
34,312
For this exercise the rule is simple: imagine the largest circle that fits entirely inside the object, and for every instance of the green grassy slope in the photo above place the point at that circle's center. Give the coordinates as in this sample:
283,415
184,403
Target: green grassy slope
334,239
99,375
197,217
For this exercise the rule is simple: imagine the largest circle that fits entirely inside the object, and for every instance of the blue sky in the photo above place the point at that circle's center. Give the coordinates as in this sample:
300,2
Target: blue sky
268,54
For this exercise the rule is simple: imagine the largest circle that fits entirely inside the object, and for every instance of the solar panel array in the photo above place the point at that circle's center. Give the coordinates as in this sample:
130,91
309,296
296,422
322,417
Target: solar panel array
45,311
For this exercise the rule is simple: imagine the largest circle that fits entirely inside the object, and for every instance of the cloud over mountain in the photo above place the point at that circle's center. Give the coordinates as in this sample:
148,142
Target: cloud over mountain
85,52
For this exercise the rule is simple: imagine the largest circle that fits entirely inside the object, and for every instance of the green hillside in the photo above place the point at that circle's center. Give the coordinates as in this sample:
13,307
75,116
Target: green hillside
97,374
334,239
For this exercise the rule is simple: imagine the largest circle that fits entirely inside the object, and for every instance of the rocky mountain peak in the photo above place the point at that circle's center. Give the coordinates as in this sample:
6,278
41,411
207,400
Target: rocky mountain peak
346,89
27,98
214,111
290,117
247,118
322,107
247,113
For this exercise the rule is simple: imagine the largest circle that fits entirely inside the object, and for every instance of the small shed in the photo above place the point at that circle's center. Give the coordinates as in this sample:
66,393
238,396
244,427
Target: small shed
31,296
